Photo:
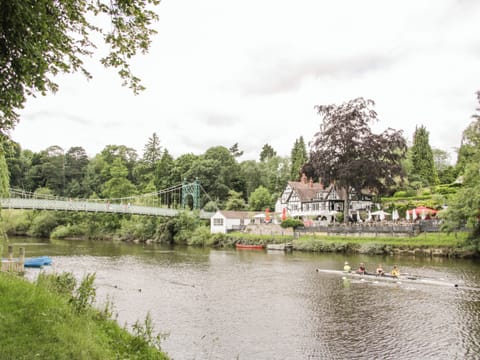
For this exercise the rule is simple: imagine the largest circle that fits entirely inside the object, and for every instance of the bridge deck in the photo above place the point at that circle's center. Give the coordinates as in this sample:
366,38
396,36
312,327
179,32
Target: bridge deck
75,205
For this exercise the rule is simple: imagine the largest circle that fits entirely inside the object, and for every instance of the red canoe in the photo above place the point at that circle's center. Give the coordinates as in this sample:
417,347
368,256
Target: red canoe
249,247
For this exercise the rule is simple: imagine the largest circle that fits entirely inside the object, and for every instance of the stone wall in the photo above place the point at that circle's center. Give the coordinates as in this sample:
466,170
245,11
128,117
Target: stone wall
268,229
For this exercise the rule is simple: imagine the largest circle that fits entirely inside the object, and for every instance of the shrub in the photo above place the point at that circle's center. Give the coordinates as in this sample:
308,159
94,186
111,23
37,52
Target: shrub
68,231
16,222
200,236
293,223
61,284
43,224
400,194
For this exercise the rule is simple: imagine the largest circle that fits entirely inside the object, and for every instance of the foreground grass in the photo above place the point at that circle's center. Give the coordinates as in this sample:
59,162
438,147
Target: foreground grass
37,323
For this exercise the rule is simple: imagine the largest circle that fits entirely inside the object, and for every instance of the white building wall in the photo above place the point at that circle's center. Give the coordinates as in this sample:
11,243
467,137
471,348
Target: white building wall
218,228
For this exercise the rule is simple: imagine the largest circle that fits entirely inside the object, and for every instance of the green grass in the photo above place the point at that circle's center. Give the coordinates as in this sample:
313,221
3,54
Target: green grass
37,323
422,240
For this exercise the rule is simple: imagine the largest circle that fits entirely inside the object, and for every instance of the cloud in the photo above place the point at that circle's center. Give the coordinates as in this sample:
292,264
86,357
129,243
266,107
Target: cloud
55,116
288,75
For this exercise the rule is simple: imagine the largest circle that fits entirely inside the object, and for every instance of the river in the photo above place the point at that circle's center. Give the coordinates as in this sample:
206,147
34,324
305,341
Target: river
232,304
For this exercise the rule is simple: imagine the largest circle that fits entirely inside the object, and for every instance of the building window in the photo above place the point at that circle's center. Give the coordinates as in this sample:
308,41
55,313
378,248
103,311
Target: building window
218,222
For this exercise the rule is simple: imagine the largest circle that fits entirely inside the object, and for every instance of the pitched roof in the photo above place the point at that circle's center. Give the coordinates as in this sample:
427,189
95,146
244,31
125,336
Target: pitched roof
237,214
307,191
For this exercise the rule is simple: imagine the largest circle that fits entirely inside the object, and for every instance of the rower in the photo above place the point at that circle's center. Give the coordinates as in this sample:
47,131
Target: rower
361,269
379,270
347,267
395,272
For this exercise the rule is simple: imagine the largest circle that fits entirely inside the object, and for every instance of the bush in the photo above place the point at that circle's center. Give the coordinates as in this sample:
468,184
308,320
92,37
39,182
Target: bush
400,194
200,236
293,223
16,222
43,224
68,231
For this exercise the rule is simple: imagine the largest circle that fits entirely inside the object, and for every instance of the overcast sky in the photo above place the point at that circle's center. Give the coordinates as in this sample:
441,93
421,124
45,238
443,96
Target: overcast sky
250,72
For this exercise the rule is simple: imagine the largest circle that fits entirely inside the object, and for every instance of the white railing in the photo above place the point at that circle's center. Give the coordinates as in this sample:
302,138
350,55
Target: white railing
77,205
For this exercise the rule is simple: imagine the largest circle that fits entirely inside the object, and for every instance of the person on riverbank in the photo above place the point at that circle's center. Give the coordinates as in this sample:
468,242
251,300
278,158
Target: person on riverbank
395,272
361,269
380,270
346,267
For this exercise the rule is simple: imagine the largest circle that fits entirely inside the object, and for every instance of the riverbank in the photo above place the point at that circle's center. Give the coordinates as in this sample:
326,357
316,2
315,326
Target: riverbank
425,244
37,322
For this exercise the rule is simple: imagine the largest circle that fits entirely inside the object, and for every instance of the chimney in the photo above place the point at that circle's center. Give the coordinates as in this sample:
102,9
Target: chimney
303,180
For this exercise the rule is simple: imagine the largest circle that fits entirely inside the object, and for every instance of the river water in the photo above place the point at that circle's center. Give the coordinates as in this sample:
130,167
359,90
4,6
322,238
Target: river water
231,304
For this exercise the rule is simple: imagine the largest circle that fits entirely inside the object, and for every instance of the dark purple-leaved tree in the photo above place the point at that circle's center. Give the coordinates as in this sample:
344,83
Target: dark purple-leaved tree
346,152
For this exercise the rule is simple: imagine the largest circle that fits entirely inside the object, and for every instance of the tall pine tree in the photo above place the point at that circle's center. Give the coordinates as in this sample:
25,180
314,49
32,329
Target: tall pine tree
423,165
298,158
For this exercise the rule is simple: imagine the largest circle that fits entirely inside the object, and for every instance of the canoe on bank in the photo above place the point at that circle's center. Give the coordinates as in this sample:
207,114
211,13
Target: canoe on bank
38,261
249,247
389,278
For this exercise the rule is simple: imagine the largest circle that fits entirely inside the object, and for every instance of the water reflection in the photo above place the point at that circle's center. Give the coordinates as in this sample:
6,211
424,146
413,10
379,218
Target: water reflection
227,304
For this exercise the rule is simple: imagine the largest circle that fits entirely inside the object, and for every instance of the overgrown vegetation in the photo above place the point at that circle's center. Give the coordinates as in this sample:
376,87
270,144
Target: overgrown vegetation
53,319
185,229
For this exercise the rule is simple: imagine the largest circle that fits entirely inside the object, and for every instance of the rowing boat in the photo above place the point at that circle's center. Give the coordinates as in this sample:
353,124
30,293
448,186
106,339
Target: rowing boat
38,261
280,247
389,278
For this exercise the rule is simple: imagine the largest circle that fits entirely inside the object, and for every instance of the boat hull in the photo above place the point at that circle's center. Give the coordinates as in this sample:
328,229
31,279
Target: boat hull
389,278
280,247
249,247
37,262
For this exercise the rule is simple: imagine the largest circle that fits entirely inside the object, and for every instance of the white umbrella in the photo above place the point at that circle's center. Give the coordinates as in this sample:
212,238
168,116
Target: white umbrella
358,216
395,215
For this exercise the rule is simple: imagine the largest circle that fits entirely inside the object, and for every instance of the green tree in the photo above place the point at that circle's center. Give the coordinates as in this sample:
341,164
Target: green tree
42,38
127,156
17,166
236,152
260,199
252,173
447,173
235,201
267,152
423,165
218,172
76,162
470,142
345,151
298,158
144,170
47,170
118,186
4,175
464,208
163,172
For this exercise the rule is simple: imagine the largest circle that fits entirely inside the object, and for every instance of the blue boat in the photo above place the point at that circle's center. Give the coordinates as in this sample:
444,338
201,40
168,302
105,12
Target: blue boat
38,261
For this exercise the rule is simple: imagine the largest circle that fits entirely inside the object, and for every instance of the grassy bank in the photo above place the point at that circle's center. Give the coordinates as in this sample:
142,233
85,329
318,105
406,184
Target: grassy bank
36,322
427,244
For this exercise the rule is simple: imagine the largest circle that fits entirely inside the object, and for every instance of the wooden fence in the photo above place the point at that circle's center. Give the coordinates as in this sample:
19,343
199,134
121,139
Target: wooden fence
11,264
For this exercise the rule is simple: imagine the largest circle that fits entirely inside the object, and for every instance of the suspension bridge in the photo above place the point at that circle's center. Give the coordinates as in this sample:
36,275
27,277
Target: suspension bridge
167,202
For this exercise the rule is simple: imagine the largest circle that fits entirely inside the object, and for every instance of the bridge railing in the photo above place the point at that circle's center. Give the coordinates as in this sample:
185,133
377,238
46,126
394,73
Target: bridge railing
75,205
